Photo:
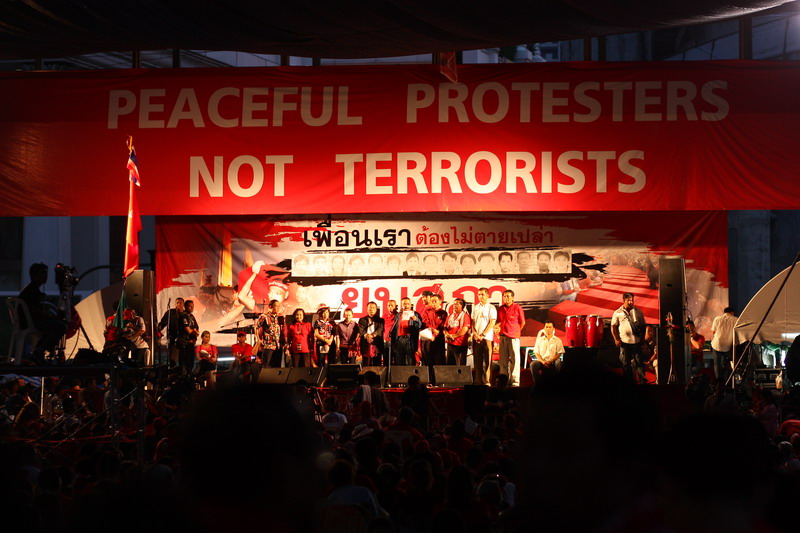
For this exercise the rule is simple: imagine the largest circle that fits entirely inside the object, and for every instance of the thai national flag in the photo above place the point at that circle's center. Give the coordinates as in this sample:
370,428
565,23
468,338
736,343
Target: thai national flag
133,167
134,219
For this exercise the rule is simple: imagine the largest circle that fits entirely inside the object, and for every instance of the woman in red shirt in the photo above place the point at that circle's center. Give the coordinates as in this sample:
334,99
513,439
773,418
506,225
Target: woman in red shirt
298,339
206,354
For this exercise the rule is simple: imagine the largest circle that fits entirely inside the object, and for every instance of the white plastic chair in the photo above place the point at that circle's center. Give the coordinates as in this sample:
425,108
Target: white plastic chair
22,327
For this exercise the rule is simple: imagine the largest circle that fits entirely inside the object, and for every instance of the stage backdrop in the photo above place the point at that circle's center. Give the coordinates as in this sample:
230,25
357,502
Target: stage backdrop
557,264
374,139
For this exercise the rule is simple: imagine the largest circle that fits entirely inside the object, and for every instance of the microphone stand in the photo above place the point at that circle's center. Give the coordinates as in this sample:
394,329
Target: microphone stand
332,318
169,324
392,336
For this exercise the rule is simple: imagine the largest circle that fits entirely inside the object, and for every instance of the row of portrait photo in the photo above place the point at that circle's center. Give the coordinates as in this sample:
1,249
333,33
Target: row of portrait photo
433,263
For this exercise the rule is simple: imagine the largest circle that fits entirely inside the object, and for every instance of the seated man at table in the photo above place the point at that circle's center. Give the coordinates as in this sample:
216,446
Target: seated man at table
548,352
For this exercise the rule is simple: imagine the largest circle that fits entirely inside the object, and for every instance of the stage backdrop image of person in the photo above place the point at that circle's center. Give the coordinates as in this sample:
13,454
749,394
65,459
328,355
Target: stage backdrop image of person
557,264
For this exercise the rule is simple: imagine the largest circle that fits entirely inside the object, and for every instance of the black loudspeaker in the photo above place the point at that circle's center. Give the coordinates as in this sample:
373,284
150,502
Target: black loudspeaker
342,376
87,357
399,375
140,296
672,300
274,376
452,376
381,371
313,376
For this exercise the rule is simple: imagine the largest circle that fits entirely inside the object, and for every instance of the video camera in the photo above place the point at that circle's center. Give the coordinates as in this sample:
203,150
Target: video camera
66,277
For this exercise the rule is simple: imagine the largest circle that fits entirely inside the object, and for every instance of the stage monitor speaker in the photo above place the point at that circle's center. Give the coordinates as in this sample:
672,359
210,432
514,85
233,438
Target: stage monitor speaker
313,376
381,371
344,376
140,296
452,376
274,376
672,300
398,375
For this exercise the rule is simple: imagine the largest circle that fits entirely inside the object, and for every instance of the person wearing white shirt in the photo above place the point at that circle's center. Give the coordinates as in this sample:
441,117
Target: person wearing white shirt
627,328
548,351
722,342
484,315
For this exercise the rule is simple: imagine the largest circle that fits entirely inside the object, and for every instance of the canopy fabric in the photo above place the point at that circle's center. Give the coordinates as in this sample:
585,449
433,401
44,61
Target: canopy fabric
783,321
60,28
94,309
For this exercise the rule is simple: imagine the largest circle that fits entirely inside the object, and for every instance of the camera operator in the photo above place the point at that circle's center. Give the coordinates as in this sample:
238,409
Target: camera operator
627,328
52,327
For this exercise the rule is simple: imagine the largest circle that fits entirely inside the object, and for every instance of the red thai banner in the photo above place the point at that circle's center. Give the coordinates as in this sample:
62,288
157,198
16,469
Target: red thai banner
536,137
557,264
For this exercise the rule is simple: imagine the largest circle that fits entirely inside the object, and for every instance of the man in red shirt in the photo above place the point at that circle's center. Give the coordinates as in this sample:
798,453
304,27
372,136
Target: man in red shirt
512,320
431,343
456,333
244,365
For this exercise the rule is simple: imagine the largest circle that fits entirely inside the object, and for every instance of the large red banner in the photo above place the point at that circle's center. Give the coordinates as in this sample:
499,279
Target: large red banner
552,137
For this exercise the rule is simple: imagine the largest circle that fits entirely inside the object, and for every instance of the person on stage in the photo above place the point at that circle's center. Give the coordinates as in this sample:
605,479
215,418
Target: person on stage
548,352
457,332
424,302
187,337
628,328
650,350
269,331
206,356
697,345
134,331
323,337
484,316
512,320
371,328
51,327
171,320
347,337
722,342
407,337
245,366
297,337
431,343
390,331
